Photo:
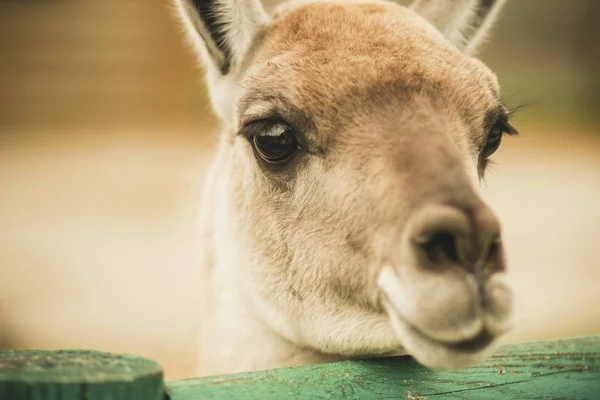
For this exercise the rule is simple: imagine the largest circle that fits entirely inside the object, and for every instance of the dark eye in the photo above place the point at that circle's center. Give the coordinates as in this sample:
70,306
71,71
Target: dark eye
493,140
275,143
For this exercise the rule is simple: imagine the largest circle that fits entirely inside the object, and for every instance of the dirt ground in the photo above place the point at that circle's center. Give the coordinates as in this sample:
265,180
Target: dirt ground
98,237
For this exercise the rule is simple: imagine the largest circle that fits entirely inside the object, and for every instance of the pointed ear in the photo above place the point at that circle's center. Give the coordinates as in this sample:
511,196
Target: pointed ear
465,23
222,30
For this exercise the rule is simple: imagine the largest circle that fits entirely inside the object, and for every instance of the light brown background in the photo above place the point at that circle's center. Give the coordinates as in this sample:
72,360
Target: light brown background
105,132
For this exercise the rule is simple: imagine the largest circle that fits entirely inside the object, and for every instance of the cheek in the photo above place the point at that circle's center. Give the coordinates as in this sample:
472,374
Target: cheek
255,205
251,190
332,231
305,231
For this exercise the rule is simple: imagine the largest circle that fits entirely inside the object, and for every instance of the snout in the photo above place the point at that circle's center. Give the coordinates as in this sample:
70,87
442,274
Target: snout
448,299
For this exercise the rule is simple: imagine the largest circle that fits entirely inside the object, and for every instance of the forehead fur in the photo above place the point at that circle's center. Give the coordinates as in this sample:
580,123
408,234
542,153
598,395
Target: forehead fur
344,56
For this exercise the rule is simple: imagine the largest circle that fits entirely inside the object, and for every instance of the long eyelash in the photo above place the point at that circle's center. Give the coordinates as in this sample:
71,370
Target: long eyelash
520,103
512,110
509,129
491,165
485,166
255,127
481,168
524,104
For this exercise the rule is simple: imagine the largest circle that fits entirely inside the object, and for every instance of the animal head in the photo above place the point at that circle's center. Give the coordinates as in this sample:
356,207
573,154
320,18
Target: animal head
356,133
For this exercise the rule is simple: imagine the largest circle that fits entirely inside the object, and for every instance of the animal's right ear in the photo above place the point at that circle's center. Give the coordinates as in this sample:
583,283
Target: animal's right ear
222,30
465,23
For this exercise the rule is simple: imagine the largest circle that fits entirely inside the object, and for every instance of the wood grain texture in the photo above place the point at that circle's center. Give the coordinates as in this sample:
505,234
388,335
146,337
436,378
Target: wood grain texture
558,369
78,375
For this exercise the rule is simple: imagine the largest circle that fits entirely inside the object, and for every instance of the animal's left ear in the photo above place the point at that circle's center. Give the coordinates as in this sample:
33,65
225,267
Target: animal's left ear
223,30
465,23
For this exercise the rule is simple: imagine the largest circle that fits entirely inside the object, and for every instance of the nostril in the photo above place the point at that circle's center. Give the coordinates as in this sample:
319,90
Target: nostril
493,259
440,247
447,234
493,250
439,232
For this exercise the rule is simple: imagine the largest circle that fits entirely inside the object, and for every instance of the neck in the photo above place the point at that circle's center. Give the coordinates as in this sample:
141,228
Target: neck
233,336
235,339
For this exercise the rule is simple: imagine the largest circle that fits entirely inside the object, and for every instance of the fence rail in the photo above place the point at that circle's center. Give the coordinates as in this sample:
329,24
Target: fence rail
557,369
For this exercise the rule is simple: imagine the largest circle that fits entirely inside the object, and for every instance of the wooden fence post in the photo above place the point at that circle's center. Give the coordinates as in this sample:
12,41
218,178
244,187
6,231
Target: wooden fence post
78,375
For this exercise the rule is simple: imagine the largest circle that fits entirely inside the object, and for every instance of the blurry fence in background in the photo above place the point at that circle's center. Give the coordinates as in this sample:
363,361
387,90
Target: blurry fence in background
548,52
123,61
113,62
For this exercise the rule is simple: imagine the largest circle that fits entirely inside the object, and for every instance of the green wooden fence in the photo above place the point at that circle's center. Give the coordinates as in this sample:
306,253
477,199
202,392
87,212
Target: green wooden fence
557,369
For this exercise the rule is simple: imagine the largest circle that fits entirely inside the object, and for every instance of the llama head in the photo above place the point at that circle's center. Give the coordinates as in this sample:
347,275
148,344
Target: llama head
355,136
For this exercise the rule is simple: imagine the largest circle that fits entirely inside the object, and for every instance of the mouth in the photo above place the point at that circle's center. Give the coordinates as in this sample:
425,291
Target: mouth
433,352
477,344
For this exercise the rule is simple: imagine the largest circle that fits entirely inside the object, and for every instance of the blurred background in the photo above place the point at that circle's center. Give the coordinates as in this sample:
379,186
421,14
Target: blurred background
106,130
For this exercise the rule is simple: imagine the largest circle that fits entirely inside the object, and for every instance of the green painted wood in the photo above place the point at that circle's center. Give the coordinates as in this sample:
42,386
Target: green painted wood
78,375
559,369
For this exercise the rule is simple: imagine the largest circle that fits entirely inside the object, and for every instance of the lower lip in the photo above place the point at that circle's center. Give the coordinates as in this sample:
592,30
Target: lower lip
474,345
